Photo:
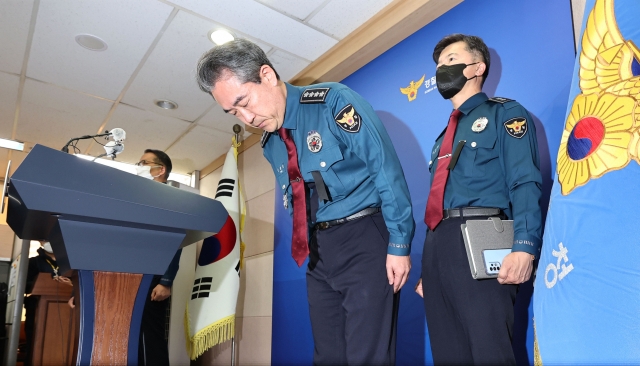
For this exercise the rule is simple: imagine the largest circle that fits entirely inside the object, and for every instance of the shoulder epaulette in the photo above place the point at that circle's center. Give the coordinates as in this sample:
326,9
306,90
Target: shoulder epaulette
314,95
501,100
264,138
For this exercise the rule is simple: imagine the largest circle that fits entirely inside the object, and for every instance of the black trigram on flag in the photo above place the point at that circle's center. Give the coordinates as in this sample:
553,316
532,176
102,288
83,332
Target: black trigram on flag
201,287
225,187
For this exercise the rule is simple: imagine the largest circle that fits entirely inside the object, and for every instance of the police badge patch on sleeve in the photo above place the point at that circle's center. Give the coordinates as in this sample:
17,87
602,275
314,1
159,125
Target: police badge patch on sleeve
348,119
516,127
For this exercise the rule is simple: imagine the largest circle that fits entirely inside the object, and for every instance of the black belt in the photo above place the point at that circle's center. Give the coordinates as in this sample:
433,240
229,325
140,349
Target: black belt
470,212
357,215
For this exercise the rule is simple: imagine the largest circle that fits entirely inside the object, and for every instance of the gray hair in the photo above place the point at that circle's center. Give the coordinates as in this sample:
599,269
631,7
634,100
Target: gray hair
240,57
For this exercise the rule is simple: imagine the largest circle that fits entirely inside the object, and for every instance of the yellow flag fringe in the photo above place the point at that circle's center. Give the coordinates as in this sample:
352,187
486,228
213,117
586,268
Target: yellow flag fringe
214,334
537,359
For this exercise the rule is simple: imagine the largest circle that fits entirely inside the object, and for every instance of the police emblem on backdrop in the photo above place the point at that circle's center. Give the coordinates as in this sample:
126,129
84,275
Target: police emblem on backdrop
411,91
314,141
348,119
516,127
480,124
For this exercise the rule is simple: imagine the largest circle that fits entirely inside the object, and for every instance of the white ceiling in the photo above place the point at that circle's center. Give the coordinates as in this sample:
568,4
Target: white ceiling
59,90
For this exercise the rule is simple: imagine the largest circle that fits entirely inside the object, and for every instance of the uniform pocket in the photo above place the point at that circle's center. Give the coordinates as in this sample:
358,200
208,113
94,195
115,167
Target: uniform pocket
475,153
325,162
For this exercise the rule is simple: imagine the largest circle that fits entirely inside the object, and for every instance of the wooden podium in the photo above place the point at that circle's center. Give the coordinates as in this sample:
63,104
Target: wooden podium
55,334
116,230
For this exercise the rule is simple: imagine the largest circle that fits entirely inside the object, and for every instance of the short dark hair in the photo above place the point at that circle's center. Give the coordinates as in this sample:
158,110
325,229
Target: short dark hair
474,44
240,57
163,159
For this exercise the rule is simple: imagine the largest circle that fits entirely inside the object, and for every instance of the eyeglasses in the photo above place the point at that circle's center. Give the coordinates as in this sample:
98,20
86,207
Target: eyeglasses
145,163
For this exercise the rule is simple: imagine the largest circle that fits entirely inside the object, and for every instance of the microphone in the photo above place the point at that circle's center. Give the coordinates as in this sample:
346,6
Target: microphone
111,149
118,134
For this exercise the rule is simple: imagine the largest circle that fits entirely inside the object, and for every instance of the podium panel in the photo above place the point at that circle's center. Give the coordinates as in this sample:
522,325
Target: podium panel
116,229
55,323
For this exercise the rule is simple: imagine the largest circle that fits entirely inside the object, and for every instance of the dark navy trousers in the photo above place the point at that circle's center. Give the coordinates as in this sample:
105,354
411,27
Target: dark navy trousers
153,348
469,321
352,307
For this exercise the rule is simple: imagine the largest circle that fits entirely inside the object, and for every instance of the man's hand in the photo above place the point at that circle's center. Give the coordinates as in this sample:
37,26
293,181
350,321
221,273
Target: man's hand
516,268
398,270
160,293
71,302
64,280
419,288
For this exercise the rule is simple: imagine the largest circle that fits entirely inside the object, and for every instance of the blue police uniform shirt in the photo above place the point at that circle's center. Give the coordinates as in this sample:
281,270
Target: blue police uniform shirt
172,270
338,134
498,166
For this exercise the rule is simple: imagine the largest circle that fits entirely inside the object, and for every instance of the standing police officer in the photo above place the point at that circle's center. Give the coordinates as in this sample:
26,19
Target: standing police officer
343,184
153,348
497,174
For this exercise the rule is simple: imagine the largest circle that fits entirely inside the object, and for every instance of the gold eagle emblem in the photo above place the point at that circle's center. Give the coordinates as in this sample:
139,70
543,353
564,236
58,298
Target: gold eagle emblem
606,58
347,117
602,130
412,90
517,125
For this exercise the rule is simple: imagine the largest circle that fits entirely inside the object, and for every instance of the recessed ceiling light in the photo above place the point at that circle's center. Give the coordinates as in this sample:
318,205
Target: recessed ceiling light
220,36
91,42
166,104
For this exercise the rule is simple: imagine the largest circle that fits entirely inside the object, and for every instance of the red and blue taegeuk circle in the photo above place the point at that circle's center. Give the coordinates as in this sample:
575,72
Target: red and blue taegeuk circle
216,247
585,138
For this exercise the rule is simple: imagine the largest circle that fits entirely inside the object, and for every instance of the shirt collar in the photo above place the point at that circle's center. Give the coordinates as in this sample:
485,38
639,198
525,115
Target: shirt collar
471,103
291,108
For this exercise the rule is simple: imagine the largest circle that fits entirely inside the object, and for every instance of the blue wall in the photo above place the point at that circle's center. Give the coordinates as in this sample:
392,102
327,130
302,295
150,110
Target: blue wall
532,54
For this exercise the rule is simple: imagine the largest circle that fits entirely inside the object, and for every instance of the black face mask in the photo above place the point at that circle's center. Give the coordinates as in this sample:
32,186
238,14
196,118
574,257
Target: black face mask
450,79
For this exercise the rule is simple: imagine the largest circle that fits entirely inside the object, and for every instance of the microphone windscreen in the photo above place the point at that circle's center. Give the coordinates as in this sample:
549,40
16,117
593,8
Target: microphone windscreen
118,134
113,148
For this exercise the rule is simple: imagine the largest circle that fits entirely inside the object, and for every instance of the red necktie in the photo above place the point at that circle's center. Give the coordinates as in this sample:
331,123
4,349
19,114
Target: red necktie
433,214
299,240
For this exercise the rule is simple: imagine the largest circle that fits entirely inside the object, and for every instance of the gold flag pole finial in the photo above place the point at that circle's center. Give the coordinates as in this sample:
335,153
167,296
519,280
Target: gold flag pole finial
237,129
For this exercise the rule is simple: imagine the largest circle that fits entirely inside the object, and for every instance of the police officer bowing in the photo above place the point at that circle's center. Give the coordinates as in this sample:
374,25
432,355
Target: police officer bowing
497,174
345,189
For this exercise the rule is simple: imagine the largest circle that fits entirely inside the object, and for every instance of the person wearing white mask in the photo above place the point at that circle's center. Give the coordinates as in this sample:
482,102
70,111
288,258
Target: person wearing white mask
154,164
153,348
